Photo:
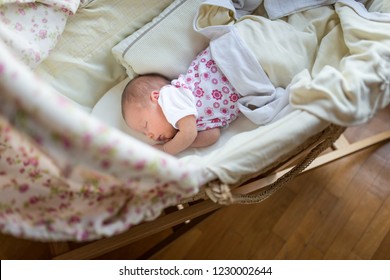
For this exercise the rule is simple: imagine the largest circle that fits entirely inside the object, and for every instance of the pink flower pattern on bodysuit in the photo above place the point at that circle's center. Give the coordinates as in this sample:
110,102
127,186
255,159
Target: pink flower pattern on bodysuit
215,97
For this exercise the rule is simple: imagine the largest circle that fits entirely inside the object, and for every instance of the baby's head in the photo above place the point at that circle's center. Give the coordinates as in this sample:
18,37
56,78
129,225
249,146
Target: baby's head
141,110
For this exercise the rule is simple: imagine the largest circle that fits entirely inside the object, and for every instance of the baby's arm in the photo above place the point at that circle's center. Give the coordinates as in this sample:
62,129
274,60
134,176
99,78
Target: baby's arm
186,135
206,138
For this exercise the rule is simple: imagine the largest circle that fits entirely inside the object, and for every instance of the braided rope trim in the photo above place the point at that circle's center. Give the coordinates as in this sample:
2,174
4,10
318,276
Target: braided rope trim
221,193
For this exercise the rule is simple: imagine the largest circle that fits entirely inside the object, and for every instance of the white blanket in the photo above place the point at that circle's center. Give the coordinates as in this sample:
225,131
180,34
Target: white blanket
333,61
352,91
261,101
280,8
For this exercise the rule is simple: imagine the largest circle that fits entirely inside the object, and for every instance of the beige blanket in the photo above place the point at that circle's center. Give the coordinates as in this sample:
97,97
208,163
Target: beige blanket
353,90
334,61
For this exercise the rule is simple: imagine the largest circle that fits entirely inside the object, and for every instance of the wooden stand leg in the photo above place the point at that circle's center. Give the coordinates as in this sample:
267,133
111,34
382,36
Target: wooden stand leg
103,246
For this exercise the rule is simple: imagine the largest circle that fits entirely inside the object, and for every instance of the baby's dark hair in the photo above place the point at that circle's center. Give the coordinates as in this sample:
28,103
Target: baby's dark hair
139,88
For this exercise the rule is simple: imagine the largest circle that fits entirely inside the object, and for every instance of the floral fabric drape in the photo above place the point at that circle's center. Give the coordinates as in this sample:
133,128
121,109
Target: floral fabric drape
63,174
31,28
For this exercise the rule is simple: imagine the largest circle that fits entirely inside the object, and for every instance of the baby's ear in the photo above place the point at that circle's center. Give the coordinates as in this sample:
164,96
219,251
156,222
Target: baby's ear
154,95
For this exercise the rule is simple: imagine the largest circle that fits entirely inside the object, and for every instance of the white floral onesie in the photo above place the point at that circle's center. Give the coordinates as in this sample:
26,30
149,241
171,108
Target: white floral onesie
203,91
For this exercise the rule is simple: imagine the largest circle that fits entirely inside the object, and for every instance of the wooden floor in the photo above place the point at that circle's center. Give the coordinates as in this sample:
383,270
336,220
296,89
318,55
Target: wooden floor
338,211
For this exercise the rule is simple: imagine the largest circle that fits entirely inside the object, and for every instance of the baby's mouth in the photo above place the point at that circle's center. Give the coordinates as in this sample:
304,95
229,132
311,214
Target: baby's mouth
163,139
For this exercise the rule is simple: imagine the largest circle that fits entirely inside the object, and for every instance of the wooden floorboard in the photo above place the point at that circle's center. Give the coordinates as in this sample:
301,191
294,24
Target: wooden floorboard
378,229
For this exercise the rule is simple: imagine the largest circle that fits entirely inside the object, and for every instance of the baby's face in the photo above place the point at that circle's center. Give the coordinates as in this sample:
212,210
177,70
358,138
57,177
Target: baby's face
150,121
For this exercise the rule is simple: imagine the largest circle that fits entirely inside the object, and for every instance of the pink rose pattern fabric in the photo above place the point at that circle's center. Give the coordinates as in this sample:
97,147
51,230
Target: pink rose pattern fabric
215,97
66,176
32,28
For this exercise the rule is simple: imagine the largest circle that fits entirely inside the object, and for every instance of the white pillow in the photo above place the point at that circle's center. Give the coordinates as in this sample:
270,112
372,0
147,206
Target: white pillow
166,45
108,109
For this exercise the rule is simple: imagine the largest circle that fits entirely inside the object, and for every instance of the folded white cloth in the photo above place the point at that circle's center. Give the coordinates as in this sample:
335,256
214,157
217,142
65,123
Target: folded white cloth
245,7
280,8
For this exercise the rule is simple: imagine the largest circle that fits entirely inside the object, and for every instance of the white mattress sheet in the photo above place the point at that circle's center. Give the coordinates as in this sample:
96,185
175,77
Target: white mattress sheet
243,148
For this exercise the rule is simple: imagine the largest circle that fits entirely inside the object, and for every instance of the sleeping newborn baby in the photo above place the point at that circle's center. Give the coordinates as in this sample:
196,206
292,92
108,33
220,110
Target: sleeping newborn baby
187,112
